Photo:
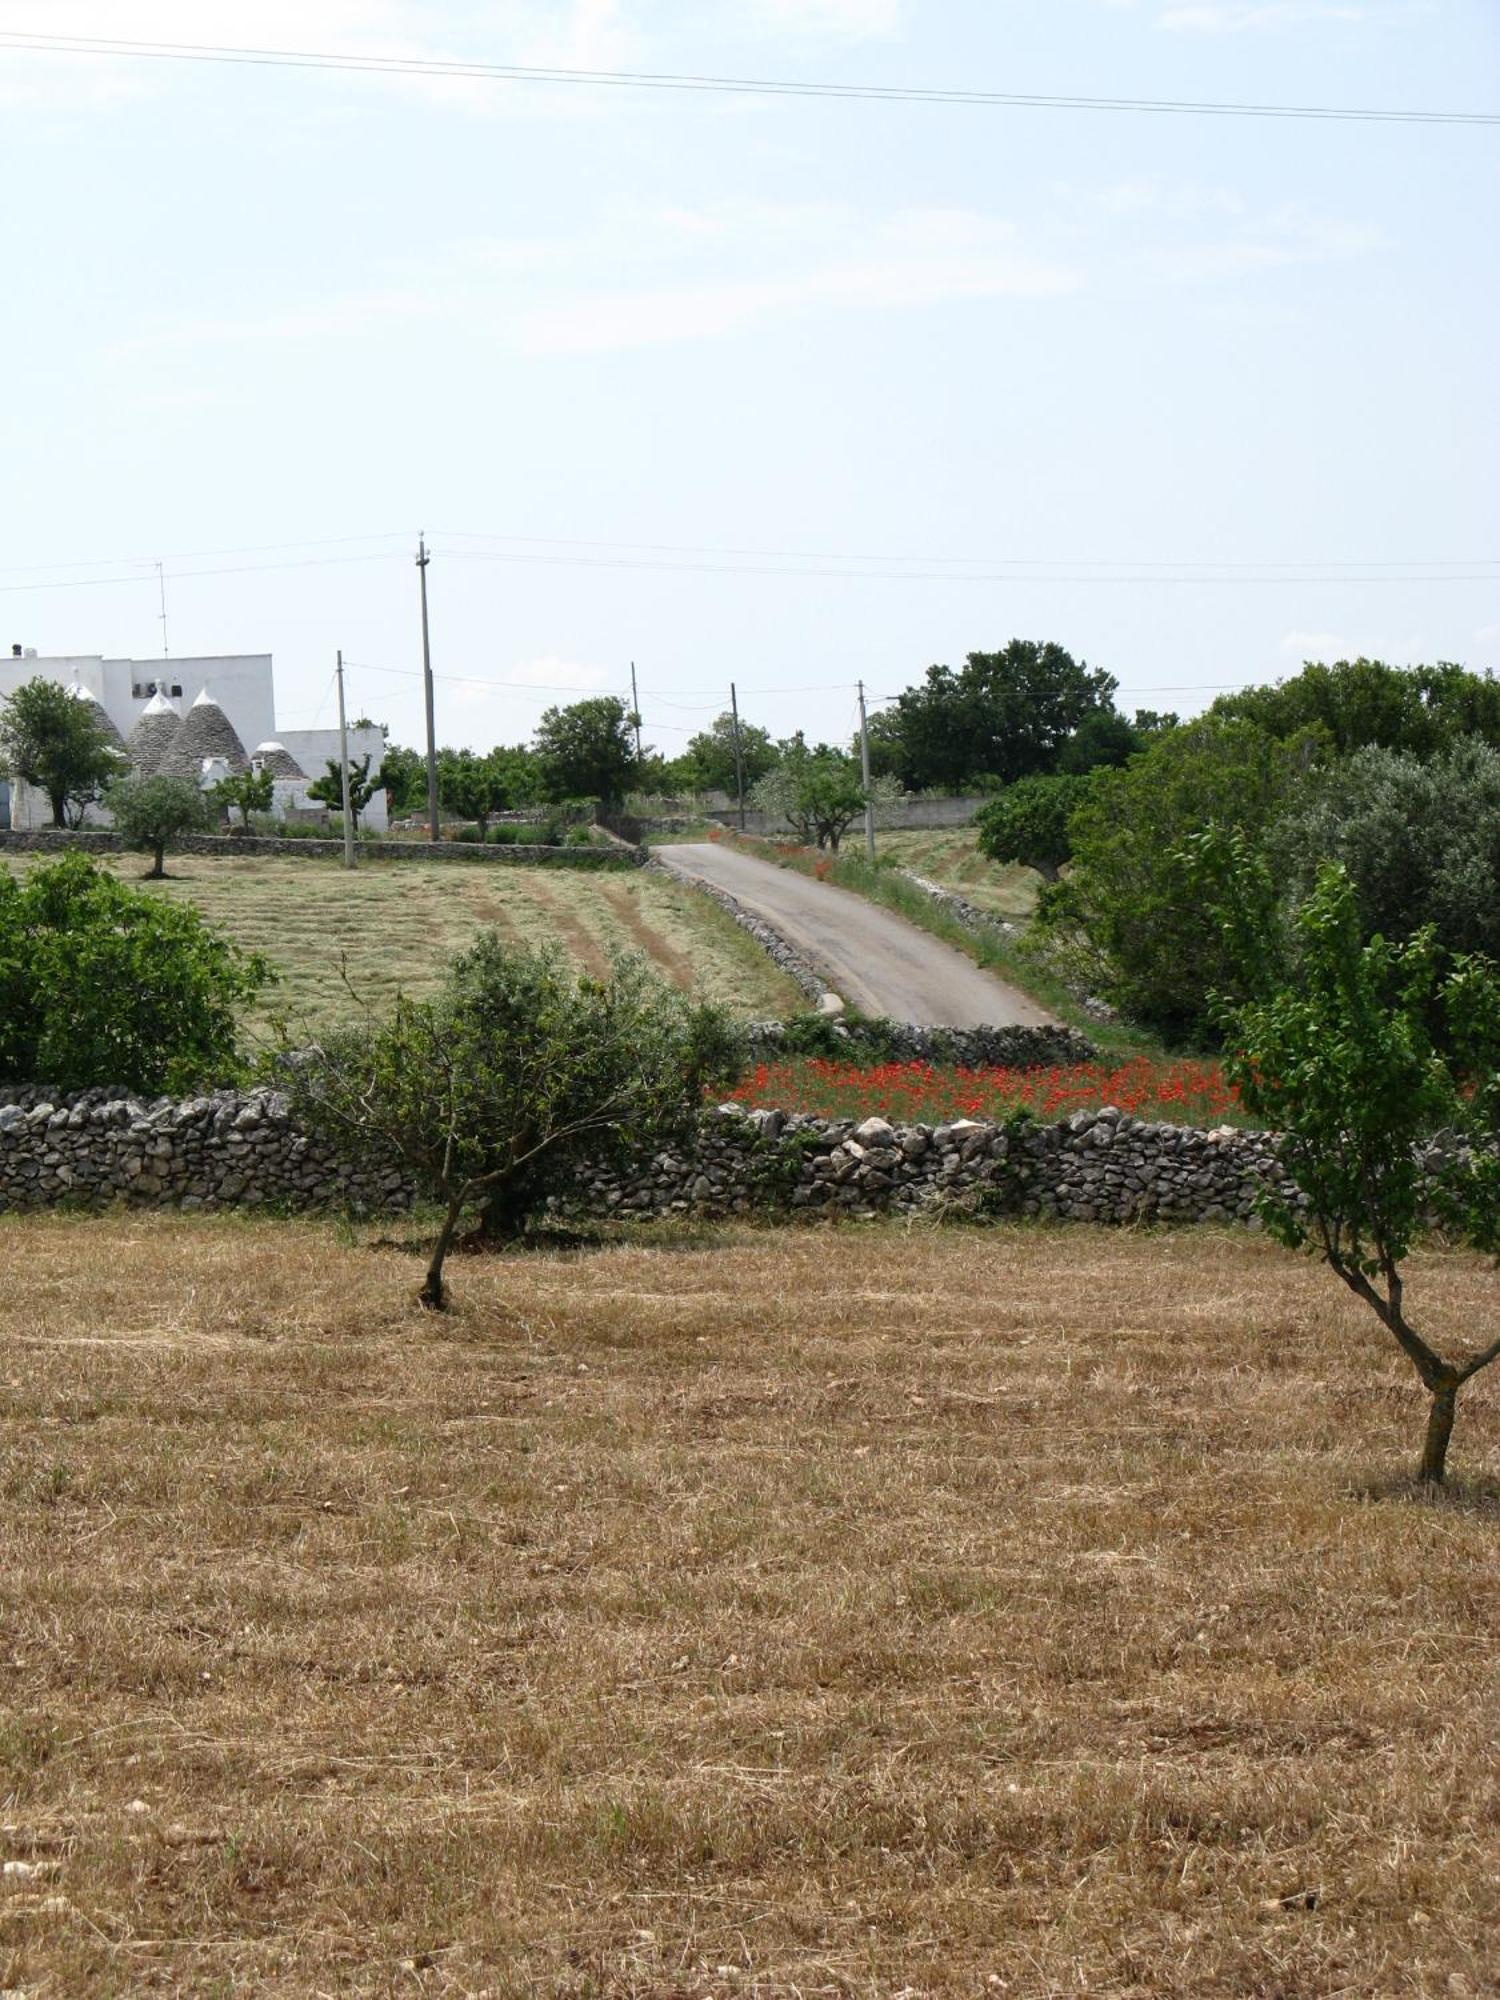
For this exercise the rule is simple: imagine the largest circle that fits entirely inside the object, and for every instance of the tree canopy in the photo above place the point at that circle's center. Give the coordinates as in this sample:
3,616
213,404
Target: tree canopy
1420,842
1028,822
1360,703
707,765
53,742
150,813
587,750
1003,715
1129,921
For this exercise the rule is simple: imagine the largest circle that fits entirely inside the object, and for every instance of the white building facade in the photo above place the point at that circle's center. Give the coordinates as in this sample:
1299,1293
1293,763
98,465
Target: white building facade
242,684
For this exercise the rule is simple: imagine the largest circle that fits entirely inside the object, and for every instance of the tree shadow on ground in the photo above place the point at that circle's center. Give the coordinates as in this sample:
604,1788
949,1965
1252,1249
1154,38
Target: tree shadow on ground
1479,1496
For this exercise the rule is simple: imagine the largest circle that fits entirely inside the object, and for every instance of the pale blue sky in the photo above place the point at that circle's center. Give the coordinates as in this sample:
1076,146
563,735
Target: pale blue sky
251,307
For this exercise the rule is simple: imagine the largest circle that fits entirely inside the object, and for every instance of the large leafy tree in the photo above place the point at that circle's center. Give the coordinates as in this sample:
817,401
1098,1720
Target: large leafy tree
101,983
1385,1124
1358,703
587,750
492,1092
708,764
1129,920
1001,715
1420,841
52,742
150,813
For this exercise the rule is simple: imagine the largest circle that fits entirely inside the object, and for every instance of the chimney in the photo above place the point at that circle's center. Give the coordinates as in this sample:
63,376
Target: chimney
15,652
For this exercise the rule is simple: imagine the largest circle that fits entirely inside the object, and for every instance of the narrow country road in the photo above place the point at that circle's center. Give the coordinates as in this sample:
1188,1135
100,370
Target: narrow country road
874,960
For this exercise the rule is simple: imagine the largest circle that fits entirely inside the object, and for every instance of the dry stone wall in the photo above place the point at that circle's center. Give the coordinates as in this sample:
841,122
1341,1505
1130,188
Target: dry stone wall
228,1150
245,1150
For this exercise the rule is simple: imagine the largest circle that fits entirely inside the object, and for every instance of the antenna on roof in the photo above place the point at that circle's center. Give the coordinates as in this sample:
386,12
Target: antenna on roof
161,578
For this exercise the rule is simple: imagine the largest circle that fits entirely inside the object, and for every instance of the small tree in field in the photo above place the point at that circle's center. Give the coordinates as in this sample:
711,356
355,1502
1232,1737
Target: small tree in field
488,1093
1374,1054
153,812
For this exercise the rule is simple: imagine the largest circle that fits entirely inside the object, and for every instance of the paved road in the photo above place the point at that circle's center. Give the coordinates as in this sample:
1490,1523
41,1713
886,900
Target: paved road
876,961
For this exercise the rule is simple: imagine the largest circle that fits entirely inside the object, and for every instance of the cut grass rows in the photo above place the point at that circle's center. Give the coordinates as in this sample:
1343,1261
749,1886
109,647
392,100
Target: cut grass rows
394,925
950,857
822,1612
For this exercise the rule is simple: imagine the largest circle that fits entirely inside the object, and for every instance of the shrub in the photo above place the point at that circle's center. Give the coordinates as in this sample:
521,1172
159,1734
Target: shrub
104,984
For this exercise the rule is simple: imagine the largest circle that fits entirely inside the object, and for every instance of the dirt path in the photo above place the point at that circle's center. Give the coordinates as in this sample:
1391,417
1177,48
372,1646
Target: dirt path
875,960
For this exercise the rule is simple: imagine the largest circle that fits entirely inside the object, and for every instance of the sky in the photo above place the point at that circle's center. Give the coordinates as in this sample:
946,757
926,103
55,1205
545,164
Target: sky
787,391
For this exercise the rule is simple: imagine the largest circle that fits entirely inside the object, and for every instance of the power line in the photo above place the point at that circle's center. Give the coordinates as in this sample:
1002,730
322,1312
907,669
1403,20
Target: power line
744,86
975,562
149,575
824,571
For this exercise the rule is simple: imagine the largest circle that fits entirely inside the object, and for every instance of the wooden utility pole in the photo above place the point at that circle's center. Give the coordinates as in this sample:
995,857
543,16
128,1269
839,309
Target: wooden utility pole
635,711
423,559
739,761
344,770
864,772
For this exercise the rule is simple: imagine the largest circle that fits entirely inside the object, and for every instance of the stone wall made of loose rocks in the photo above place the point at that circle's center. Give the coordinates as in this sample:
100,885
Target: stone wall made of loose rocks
243,1150
228,1150
1098,1166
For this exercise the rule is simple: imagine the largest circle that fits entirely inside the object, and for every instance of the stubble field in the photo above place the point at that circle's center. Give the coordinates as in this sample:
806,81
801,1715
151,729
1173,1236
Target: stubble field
791,1613
393,926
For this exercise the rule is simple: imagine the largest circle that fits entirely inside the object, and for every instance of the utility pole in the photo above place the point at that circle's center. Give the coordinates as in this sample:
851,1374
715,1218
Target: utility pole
864,772
423,559
635,710
739,761
344,768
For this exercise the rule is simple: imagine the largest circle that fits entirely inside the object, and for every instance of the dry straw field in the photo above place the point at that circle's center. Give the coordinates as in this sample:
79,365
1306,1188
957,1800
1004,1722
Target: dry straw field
866,1614
395,924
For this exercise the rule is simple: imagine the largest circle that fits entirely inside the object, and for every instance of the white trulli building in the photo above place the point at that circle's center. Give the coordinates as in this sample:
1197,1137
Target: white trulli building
200,718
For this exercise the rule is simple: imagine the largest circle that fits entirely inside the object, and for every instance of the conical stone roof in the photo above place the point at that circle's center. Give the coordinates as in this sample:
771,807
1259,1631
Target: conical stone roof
98,715
206,732
153,735
277,759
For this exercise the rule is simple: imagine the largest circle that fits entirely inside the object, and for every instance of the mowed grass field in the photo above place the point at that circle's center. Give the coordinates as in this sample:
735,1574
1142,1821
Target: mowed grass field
950,857
803,1613
394,925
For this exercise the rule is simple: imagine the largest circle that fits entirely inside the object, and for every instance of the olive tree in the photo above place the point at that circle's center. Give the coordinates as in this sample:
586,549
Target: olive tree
151,813
1379,1066
488,1093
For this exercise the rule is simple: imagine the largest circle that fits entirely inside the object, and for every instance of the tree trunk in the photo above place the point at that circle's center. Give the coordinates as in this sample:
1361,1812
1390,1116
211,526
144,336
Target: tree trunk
434,1293
1439,1429
157,871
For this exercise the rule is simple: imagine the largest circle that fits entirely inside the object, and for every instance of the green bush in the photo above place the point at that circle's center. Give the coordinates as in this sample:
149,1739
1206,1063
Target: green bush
104,984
